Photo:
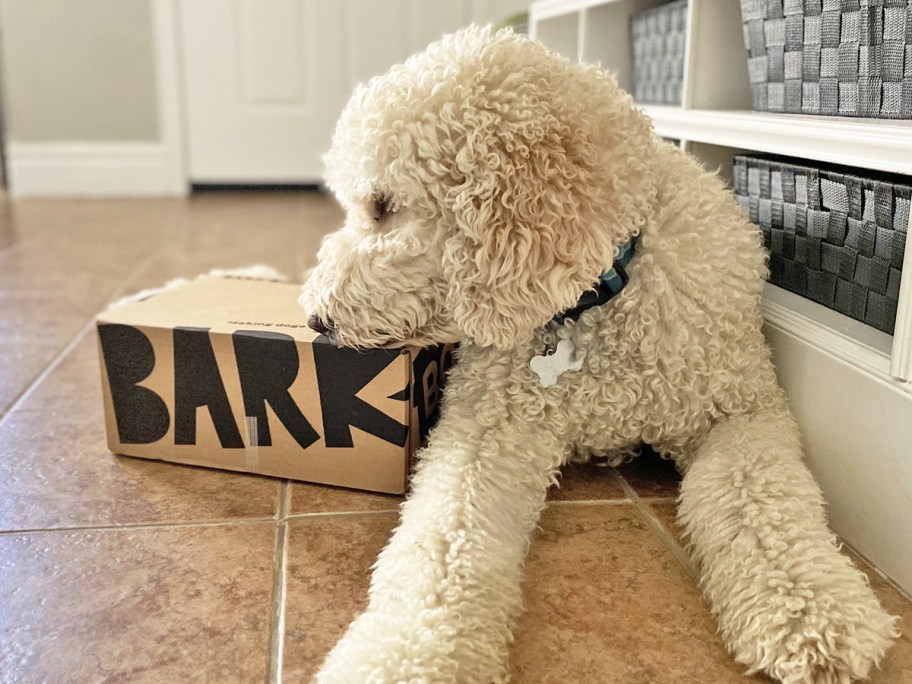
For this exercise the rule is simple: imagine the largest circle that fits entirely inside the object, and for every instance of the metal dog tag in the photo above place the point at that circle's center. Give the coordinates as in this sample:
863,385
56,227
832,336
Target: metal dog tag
550,366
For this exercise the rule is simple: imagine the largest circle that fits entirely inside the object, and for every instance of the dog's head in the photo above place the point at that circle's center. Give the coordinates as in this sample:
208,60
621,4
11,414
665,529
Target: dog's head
487,183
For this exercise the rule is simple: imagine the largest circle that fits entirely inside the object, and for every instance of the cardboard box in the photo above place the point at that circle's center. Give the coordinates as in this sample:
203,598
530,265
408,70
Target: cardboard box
224,372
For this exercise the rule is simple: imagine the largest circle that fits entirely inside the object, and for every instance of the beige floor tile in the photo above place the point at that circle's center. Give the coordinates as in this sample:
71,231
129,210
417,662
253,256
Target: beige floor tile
57,470
607,602
72,382
83,264
149,605
312,498
666,513
71,391
20,363
28,318
231,231
586,482
329,562
33,330
72,233
66,261
578,482
897,666
69,259
8,235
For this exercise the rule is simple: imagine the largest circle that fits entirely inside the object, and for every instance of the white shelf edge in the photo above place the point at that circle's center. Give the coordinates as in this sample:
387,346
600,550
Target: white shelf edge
850,341
690,63
661,112
551,9
883,145
581,34
902,331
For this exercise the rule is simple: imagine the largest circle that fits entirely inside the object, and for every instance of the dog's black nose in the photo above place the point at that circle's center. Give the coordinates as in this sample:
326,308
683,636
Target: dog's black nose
316,323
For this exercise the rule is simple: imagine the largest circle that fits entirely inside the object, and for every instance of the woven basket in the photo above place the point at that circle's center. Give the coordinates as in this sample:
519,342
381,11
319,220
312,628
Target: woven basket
838,57
658,37
834,237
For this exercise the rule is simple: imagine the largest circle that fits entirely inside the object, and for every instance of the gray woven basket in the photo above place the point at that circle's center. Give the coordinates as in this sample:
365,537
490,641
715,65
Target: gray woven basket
834,237
838,57
658,37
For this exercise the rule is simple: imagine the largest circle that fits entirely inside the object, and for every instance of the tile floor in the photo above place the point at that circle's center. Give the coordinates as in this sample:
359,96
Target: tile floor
120,570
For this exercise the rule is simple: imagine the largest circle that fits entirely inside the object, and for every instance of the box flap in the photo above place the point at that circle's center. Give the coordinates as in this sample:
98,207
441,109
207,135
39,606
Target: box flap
221,305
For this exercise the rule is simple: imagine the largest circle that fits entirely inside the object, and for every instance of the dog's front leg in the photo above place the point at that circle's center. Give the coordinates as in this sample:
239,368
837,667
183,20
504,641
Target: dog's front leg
446,590
788,603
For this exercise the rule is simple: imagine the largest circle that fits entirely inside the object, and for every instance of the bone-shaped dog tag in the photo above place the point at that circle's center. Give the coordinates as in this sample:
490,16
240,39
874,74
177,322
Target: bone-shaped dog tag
549,367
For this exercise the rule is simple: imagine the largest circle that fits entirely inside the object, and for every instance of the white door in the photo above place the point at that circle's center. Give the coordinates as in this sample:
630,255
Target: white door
265,80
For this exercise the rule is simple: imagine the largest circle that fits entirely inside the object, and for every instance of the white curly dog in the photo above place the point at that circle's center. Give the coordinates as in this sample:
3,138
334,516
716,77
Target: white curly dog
488,183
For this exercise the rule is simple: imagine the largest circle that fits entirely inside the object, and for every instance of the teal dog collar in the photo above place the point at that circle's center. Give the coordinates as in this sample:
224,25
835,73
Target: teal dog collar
609,285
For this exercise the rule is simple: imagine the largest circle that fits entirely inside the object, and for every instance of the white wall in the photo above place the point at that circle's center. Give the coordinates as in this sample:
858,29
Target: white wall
85,70
78,71
90,92
864,471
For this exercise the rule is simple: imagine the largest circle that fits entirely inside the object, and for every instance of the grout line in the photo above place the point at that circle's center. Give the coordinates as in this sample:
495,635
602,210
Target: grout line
658,499
141,526
589,502
893,585
56,361
284,501
334,514
279,585
660,531
118,292
574,502
595,502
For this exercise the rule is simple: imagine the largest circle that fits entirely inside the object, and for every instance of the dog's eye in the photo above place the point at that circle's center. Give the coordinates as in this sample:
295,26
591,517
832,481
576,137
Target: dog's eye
381,206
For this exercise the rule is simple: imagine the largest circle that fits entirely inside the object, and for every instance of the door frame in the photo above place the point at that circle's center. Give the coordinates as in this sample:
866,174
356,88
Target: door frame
168,70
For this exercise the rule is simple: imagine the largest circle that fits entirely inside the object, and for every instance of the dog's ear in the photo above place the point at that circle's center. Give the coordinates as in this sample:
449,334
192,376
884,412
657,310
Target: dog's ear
547,167
525,245
525,248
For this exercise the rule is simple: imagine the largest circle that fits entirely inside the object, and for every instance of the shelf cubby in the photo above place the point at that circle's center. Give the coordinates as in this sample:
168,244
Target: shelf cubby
849,383
715,121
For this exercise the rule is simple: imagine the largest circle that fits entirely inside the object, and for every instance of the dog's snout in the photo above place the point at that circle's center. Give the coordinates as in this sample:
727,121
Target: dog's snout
316,323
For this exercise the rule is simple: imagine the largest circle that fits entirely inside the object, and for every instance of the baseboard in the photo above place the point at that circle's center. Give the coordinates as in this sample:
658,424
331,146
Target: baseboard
93,170
858,442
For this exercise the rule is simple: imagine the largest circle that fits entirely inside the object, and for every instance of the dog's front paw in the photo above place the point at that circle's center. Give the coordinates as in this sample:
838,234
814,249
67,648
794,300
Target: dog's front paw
828,635
380,648
427,645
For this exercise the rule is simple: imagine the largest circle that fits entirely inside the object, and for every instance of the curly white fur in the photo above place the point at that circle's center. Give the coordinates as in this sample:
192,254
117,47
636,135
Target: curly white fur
487,184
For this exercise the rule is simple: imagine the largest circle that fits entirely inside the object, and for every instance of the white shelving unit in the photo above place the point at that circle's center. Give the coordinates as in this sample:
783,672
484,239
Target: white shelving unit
844,378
